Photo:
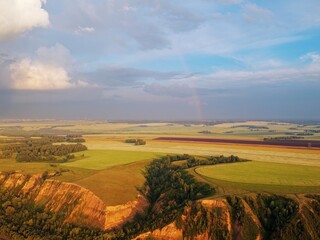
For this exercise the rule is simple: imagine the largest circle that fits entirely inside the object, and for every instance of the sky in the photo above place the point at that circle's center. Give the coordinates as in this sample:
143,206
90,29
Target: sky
160,59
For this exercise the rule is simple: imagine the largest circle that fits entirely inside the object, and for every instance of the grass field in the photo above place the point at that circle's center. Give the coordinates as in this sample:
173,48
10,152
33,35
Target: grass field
110,174
263,176
115,185
257,153
112,169
264,173
26,167
101,159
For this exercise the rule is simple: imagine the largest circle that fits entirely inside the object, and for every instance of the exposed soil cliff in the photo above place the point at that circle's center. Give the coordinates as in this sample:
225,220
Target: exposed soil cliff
247,217
80,205
120,214
252,216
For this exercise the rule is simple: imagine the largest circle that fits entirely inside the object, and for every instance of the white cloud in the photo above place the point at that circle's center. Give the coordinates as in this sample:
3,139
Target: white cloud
49,71
256,14
314,57
129,8
84,30
259,73
56,55
18,16
224,78
229,1
33,75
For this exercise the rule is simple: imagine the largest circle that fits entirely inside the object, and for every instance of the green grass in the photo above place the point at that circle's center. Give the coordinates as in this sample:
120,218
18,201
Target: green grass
115,185
238,178
112,175
264,173
257,153
26,167
101,159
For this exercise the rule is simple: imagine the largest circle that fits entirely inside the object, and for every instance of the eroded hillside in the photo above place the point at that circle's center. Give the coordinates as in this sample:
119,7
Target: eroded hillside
261,216
82,206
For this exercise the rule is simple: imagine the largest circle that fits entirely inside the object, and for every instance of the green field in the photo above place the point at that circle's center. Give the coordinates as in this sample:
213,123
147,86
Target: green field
112,175
101,159
302,156
111,169
114,185
263,176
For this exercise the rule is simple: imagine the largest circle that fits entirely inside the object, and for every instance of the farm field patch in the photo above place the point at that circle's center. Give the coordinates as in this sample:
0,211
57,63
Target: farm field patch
262,176
101,159
303,156
117,184
26,167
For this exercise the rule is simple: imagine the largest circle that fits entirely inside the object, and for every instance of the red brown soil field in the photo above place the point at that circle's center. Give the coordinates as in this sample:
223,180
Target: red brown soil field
284,143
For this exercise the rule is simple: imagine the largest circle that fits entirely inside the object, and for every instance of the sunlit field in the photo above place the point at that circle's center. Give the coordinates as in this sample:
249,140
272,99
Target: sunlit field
101,159
261,176
300,156
112,169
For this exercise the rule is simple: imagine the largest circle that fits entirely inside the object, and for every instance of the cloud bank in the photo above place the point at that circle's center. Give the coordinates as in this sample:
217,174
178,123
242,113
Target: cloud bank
18,16
48,71
34,75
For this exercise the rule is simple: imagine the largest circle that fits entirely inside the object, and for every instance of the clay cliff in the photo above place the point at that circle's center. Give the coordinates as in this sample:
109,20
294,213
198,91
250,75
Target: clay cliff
82,206
120,214
247,217
251,216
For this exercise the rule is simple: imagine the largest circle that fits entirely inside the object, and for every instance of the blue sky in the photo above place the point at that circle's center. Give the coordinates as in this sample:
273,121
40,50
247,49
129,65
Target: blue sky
168,60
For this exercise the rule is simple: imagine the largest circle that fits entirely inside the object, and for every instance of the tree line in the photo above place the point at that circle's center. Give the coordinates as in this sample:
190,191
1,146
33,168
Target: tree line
43,149
137,141
190,161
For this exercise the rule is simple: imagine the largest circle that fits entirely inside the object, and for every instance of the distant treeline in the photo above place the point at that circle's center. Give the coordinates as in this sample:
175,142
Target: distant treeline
39,153
312,131
250,127
136,141
193,161
282,138
205,132
43,149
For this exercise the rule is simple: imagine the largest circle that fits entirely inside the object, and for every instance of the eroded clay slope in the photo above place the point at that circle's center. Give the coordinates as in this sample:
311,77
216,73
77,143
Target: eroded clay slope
81,206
